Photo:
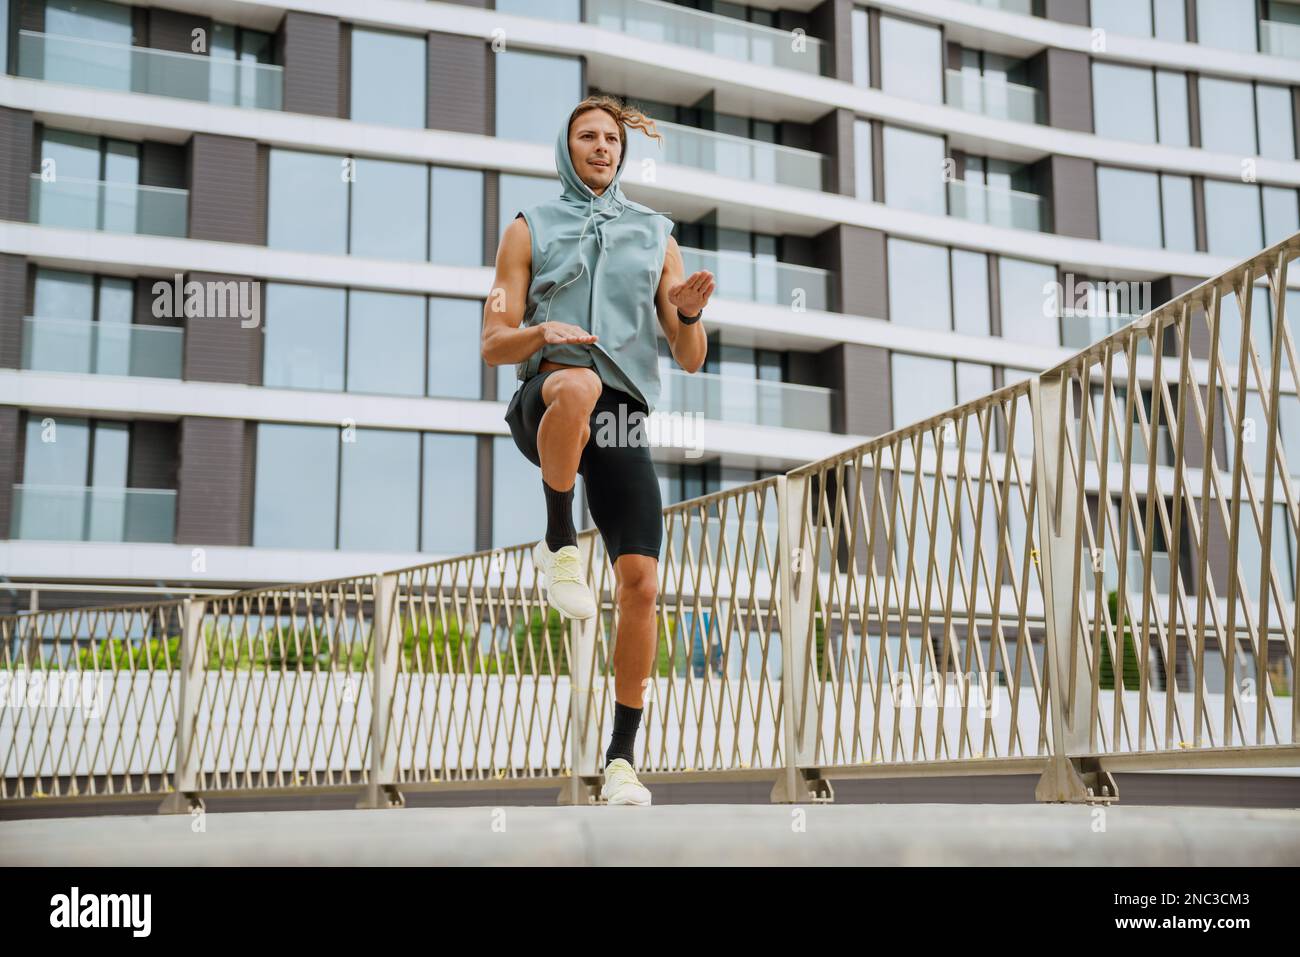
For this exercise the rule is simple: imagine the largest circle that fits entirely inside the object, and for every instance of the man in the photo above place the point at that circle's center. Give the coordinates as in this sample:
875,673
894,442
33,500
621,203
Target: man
580,281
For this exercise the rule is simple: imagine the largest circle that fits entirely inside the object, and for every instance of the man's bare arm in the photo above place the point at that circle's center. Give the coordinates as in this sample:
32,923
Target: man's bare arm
688,343
504,342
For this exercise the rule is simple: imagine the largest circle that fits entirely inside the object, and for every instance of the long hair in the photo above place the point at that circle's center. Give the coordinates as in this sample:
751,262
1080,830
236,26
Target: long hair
623,114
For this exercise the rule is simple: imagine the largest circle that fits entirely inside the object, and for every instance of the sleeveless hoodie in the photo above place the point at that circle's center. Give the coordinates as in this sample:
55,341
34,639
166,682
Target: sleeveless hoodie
596,264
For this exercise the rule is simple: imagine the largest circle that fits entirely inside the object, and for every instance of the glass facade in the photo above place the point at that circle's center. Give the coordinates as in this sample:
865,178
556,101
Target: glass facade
1138,208
320,487
535,92
911,59
914,166
1026,288
388,78
372,342
1227,23
1123,102
379,209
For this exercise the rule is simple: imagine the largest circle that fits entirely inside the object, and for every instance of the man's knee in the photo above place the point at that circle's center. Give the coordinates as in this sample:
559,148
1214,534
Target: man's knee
639,586
573,390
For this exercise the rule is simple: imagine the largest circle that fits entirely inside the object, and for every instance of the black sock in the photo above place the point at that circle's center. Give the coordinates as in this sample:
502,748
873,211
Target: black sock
559,517
623,740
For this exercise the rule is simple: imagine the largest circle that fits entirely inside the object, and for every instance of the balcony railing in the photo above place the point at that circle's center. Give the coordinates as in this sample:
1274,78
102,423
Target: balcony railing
105,348
750,401
70,513
1279,39
76,203
131,69
711,32
734,156
1010,208
761,280
997,98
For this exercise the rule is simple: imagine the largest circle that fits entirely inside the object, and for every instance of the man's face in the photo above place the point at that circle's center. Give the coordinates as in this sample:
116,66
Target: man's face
595,149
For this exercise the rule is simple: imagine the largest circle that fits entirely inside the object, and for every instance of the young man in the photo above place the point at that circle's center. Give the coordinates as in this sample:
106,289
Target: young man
580,283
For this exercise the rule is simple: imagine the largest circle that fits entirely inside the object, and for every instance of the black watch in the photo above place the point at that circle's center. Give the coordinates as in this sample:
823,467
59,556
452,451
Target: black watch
691,321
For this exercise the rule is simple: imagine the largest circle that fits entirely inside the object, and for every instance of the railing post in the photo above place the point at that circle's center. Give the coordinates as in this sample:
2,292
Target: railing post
799,781
1057,496
386,647
582,786
193,668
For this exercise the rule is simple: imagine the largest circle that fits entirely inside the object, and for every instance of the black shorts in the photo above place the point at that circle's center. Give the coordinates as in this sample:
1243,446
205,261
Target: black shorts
622,487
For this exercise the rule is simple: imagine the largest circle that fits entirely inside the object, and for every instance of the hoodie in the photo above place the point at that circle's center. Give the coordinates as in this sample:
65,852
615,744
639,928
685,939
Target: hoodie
597,262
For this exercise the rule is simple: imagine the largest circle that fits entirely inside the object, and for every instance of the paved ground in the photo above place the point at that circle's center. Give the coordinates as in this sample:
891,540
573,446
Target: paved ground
873,834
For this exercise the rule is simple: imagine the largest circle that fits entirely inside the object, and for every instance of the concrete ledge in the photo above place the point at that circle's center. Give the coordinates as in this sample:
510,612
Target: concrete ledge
916,834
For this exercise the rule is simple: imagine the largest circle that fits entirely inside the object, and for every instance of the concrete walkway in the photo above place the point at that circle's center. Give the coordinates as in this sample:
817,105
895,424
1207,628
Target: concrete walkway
860,834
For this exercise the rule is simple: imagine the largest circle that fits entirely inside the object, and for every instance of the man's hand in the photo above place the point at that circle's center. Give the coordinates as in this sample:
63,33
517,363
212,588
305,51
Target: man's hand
691,296
565,332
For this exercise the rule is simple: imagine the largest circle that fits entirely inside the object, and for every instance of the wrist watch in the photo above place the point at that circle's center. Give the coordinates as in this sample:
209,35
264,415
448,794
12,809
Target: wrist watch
689,320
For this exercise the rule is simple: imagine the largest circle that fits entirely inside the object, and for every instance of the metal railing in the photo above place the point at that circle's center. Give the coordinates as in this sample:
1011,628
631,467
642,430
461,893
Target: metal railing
134,69
714,33
1020,584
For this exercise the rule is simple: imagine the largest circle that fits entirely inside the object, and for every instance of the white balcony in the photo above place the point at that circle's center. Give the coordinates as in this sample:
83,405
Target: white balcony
734,156
724,36
103,348
1009,208
999,99
118,66
750,401
768,281
69,513
75,203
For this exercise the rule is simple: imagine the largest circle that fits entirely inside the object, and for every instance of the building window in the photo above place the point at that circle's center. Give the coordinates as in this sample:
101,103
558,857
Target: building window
296,496
386,343
449,487
456,216
911,60
1124,102
859,26
304,337
1137,208
535,92
1026,289
1230,24
307,206
1227,116
919,288
863,185
1242,218
379,500
1165,19
388,78
375,208
914,166
455,362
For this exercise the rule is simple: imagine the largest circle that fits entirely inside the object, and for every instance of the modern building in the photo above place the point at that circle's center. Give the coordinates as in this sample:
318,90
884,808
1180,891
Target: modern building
899,199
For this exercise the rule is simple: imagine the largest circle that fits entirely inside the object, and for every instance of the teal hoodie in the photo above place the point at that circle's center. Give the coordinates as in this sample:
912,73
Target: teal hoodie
597,261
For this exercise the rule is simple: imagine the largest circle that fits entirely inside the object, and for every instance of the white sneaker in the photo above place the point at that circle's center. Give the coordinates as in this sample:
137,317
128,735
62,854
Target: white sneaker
621,785
566,589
